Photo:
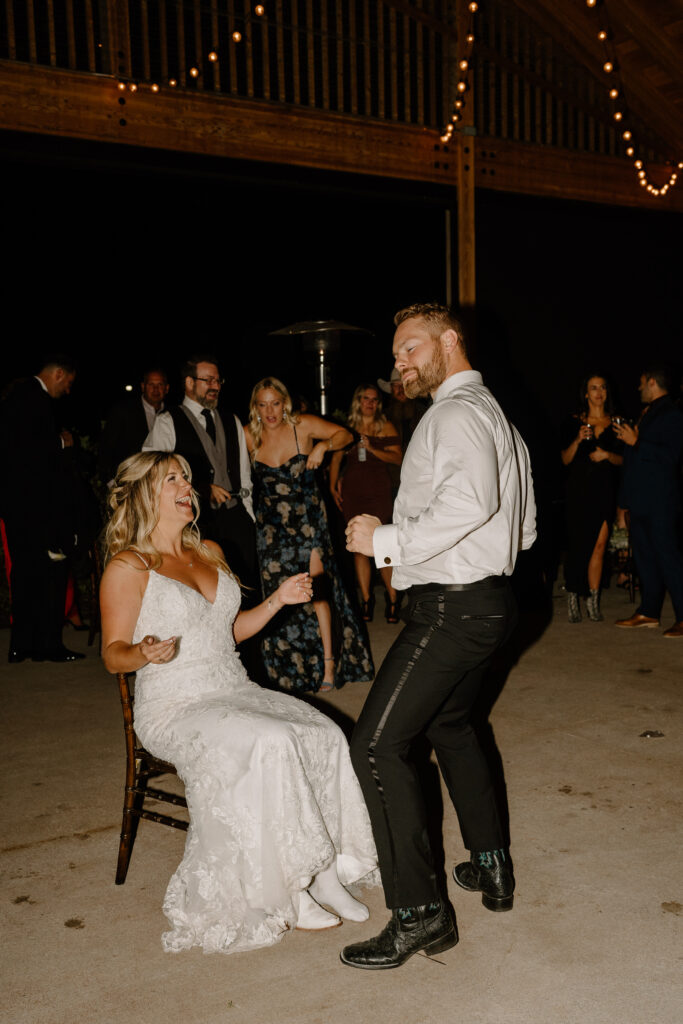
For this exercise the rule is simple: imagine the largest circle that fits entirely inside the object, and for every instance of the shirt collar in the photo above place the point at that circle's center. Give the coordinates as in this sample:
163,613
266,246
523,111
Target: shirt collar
150,408
43,385
455,381
195,408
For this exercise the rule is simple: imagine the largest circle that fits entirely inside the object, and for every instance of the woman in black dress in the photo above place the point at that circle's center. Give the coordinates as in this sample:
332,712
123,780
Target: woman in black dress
592,454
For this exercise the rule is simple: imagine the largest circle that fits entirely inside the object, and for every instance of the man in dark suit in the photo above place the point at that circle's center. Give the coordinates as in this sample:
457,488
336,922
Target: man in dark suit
38,510
129,422
651,492
221,471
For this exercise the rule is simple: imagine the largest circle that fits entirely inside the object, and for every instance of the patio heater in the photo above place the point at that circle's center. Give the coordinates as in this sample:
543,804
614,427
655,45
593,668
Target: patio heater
322,340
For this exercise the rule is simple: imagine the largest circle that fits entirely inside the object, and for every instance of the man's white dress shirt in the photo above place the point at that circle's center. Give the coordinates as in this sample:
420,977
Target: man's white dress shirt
151,413
161,438
465,506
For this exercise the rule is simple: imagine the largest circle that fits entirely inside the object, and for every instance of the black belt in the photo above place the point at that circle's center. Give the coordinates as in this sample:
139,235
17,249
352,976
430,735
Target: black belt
488,583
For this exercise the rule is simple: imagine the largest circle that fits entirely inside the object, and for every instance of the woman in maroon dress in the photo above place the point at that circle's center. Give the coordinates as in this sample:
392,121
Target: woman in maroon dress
366,485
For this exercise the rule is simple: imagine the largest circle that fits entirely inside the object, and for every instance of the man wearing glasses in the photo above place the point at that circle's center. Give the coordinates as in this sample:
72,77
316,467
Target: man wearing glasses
218,457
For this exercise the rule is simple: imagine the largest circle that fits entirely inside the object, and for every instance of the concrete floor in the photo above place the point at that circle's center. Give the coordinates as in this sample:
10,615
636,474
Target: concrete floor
595,935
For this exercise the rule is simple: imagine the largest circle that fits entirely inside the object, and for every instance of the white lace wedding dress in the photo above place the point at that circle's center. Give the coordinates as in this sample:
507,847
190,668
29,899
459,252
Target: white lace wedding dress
272,795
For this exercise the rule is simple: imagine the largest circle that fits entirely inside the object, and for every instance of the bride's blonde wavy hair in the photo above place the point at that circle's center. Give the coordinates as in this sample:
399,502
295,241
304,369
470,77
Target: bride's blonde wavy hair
134,504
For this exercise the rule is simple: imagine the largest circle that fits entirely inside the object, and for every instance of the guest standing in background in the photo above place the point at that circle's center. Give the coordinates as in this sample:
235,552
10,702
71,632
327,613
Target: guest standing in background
299,647
366,485
214,446
592,453
39,510
651,491
130,421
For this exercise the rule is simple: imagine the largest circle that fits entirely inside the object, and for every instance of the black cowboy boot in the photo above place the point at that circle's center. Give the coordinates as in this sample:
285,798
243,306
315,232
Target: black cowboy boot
489,873
430,928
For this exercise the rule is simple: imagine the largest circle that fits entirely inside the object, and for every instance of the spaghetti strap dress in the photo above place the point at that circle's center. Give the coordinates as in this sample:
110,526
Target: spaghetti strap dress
367,486
291,523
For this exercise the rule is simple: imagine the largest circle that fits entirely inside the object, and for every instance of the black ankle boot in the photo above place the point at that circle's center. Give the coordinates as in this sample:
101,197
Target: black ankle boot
430,928
489,873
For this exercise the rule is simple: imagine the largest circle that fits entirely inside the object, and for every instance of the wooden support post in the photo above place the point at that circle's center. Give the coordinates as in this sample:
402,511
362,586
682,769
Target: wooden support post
467,285
465,181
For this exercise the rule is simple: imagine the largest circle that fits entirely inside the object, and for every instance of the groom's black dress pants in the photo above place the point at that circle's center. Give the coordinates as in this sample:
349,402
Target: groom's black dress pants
428,683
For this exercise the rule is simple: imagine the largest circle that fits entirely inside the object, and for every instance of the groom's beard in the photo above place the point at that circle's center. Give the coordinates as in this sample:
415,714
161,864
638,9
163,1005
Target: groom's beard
428,376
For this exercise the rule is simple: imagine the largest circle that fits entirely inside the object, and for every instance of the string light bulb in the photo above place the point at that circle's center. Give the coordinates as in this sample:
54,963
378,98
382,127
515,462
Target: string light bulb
133,86
213,56
259,10
194,72
602,35
469,39
155,87
122,86
237,37
613,93
172,82
608,66
463,65
462,86
473,7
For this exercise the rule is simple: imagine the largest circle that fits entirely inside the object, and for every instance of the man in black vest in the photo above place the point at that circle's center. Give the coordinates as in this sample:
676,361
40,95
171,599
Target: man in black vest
221,472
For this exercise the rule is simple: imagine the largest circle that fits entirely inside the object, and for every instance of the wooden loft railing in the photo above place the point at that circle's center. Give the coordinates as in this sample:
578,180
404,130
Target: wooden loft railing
336,84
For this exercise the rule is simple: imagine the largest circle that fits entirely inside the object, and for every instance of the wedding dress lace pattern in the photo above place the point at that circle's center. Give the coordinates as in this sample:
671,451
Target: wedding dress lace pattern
272,795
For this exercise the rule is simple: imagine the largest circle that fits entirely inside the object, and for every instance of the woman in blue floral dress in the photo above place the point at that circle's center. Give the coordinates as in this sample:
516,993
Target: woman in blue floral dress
322,644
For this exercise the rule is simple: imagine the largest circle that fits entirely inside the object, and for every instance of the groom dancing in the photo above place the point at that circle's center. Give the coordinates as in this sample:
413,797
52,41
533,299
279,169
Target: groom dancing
464,509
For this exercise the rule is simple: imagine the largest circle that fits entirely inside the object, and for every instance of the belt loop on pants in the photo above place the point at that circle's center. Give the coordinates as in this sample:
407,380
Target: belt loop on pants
488,583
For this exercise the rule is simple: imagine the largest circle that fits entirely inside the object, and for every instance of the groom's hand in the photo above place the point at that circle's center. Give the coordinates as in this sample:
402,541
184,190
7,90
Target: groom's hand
359,533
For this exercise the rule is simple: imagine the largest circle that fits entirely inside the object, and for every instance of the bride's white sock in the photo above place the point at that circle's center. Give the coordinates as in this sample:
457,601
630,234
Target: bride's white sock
327,889
313,917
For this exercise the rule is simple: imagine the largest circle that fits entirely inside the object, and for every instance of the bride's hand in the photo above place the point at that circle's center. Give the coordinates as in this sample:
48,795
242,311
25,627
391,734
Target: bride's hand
296,590
158,651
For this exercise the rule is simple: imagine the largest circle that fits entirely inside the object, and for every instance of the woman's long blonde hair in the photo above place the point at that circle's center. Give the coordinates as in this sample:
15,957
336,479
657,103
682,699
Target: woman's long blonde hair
255,425
355,419
134,504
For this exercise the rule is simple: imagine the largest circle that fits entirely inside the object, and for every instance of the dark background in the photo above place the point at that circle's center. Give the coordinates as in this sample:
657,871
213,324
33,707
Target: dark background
129,258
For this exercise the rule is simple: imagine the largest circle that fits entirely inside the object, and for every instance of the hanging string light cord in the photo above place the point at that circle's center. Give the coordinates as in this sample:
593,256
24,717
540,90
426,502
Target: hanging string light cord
462,84
611,69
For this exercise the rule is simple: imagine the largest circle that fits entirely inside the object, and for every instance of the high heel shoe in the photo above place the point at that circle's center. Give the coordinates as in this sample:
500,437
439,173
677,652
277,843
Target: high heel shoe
367,608
392,608
327,684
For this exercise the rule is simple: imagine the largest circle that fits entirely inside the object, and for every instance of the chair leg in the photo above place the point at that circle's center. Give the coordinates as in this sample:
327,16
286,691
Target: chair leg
132,803
129,829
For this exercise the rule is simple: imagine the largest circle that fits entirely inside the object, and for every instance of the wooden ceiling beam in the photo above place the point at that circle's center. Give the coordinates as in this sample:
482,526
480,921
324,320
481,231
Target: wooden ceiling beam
572,27
646,27
67,104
